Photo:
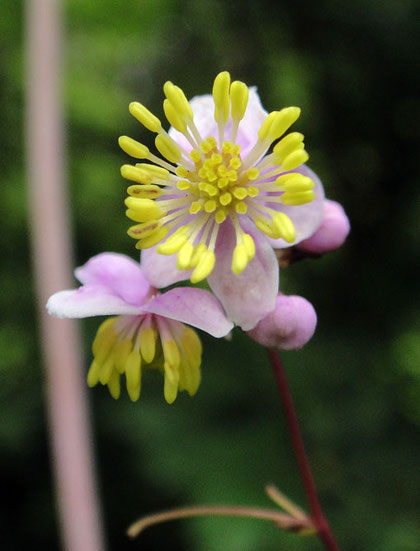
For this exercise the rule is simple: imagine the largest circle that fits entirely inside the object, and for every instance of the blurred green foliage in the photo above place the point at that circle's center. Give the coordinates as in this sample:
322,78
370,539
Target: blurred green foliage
350,66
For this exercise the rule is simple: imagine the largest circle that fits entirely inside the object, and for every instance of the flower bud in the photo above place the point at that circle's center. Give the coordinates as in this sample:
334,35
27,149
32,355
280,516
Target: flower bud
289,326
332,232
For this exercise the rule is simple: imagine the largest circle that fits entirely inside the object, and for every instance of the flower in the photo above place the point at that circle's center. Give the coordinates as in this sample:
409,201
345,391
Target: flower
217,200
113,284
289,326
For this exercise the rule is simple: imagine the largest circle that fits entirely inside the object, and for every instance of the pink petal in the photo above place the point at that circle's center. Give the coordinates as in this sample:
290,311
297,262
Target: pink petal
88,301
196,307
332,232
289,326
251,295
118,273
306,218
160,269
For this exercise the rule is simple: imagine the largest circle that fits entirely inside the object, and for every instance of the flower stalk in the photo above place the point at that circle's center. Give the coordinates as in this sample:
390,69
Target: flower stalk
321,524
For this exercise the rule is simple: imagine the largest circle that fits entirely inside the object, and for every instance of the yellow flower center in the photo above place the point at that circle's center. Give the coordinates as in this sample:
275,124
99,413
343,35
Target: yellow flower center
211,181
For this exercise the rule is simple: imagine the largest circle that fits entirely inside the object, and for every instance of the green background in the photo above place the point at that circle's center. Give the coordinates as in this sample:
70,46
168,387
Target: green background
350,66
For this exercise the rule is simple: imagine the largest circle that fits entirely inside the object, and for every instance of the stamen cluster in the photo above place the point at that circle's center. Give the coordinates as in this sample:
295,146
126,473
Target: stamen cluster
180,203
128,344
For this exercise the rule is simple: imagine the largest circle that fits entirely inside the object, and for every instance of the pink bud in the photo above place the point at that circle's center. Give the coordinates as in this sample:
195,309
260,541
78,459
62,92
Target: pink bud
332,232
289,326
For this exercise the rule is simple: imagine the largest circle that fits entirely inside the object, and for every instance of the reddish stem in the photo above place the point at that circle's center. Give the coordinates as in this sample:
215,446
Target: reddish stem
323,529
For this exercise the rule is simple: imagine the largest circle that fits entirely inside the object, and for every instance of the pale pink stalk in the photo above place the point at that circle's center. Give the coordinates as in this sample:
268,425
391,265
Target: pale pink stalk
67,407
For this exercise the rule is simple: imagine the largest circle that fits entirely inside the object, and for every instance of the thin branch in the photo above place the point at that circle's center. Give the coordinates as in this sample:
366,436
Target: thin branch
283,521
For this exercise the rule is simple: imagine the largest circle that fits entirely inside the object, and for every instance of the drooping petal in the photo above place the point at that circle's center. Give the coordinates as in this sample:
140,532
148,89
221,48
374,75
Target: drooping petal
332,232
118,273
306,218
161,270
196,307
251,295
88,301
289,326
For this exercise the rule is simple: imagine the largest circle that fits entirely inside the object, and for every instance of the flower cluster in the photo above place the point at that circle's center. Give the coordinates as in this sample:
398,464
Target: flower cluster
229,188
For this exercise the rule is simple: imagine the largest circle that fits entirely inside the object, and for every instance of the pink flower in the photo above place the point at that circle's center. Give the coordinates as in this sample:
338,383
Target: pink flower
289,326
148,330
219,202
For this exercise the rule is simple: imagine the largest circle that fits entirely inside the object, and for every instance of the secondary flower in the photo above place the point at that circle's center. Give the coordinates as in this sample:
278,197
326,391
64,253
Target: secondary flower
217,200
148,330
289,326
332,232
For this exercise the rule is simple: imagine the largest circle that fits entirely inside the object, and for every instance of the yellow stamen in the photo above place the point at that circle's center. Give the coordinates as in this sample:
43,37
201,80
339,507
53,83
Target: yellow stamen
168,148
225,199
221,97
133,375
252,173
153,239
173,117
277,122
145,117
93,374
298,183
285,226
145,191
136,174
121,353
195,207
106,370
140,231
114,385
198,252
154,171
183,185
249,245
239,259
287,145
177,98
235,163
195,156
133,148
220,216
184,256
104,340
241,207
181,171
240,193
148,343
204,267
172,244
170,387
210,205
267,229
252,191
171,352
190,375
147,209
295,159
300,198
239,94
